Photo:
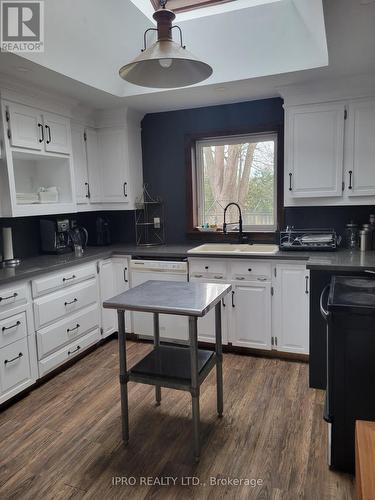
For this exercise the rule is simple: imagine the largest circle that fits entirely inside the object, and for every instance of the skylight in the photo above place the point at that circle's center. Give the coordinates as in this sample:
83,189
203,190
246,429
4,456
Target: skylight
183,5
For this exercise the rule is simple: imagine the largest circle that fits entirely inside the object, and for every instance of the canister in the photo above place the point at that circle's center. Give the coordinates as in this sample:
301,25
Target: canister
364,240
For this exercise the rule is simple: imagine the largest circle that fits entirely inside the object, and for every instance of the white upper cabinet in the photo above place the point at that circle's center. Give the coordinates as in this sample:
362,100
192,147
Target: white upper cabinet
114,164
80,163
314,150
30,128
57,133
25,126
94,166
360,164
290,328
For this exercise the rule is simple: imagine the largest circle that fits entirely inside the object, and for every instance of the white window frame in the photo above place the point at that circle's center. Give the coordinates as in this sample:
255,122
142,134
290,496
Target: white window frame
233,139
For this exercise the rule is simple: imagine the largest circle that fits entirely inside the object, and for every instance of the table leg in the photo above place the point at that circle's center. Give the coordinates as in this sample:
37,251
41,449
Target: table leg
219,360
156,345
194,385
123,376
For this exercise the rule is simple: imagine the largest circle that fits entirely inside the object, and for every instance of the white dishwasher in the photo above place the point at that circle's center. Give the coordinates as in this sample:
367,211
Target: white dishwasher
171,327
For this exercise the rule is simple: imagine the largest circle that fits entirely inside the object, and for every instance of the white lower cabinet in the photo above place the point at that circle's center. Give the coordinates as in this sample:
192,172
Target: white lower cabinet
18,361
206,325
291,308
268,307
113,279
18,367
250,320
68,352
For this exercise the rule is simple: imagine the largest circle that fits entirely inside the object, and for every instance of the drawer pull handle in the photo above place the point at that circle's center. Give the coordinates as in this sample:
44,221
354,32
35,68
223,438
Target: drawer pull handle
4,328
306,284
71,278
75,350
223,302
240,278
262,278
198,275
9,297
13,359
72,329
125,275
233,305
350,179
71,302
41,138
218,277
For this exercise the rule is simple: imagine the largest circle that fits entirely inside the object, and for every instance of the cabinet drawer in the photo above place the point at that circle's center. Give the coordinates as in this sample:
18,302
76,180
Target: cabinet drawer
13,328
65,331
52,307
250,270
12,297
209,268
63,279
15,367
68,352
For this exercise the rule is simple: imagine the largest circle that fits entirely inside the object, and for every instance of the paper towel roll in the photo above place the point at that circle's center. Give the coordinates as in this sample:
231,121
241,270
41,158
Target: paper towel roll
7,243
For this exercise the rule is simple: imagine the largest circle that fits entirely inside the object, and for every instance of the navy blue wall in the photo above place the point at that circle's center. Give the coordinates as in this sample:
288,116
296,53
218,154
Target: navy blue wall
163,144
164,163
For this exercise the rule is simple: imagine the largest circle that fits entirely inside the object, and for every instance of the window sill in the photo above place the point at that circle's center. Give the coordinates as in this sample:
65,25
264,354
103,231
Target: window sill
220,237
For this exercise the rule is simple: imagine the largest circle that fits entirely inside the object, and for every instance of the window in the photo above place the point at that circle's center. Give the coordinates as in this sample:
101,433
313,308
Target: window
182,5
239,169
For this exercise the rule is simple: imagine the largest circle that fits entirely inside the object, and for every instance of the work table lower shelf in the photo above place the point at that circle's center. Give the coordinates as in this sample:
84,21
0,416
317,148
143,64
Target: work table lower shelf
170,366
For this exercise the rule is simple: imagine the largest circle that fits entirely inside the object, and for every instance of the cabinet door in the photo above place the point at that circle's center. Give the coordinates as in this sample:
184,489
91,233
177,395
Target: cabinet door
206,324
314,151
93,165
56,133
26,127
251,315
291,308
80,163
107,290
114,163
360,169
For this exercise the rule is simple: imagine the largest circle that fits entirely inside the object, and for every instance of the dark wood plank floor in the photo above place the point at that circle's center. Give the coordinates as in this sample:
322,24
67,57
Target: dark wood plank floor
63,440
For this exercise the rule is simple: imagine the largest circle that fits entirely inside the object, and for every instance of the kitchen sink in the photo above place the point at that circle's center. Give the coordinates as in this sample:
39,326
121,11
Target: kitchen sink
233,248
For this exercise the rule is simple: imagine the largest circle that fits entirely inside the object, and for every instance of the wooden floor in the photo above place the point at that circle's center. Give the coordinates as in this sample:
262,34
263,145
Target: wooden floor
63,440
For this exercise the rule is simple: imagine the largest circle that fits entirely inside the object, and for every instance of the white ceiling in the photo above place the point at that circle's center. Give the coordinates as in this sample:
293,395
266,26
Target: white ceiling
253,50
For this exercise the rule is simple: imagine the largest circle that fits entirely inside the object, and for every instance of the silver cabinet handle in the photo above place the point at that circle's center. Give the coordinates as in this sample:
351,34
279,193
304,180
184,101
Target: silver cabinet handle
240,278
198,275
218,277
125,187
5,328
48,129
9,297
290,181
262,278
233,304
13,359
88,194
125,278
306,284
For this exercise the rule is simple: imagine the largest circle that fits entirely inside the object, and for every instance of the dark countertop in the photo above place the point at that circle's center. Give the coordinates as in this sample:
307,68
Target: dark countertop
333,261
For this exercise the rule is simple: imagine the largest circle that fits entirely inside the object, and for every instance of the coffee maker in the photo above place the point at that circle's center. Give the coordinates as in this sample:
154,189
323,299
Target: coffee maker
55,236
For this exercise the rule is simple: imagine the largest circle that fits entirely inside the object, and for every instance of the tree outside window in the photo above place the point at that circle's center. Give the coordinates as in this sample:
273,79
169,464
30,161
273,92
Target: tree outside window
239,169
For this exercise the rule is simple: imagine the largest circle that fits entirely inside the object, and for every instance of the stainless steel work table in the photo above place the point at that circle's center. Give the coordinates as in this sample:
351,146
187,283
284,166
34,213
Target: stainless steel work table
173,366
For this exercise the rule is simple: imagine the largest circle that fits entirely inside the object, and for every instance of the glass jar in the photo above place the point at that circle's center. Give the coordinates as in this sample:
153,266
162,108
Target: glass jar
351,236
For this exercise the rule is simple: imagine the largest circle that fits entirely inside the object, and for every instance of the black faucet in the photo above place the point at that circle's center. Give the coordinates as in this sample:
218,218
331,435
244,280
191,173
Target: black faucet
225,224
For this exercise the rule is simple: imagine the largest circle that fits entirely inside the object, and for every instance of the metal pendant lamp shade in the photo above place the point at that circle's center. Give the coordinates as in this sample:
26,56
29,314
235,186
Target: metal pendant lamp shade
166,64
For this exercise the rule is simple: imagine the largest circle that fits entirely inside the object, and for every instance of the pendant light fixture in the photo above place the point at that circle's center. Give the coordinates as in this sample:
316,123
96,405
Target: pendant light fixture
166,64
